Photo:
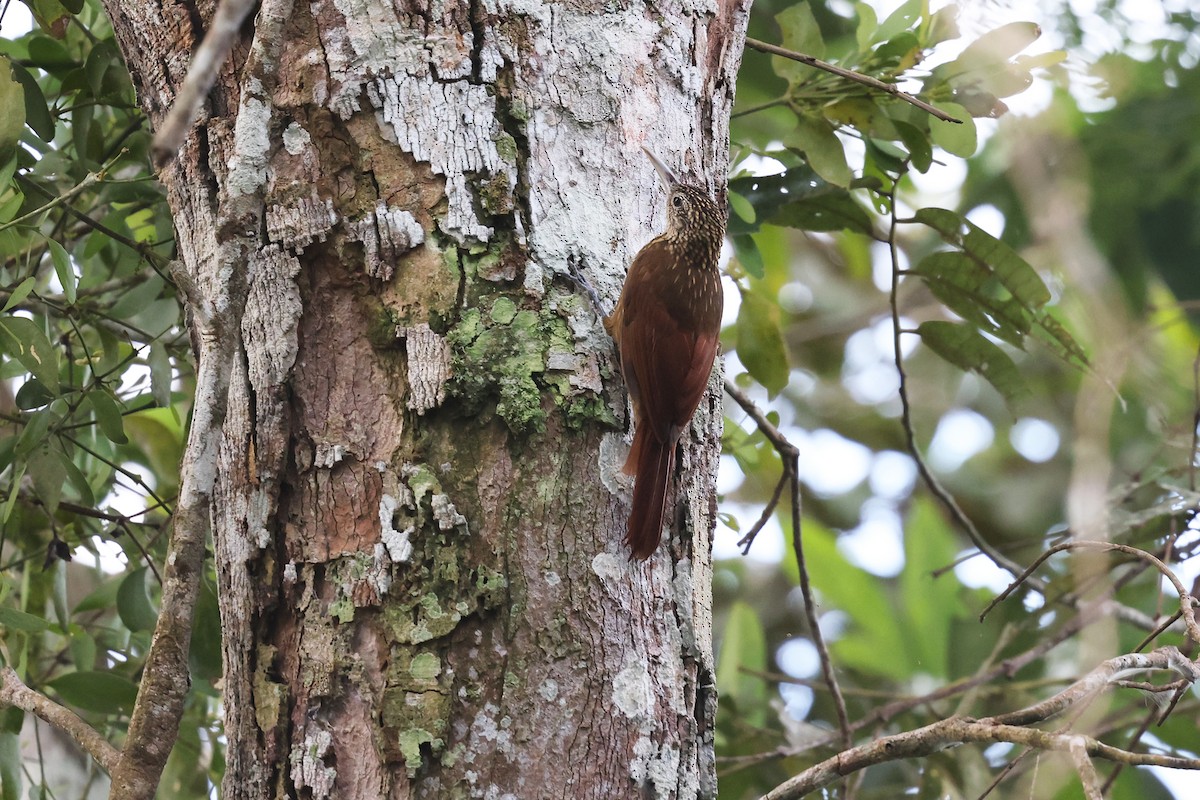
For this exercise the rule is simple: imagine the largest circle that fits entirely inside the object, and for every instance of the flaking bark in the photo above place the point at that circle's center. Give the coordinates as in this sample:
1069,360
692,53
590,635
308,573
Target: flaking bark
417,510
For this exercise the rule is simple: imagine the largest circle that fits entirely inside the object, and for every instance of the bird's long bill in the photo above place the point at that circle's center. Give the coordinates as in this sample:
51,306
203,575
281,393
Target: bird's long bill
668,178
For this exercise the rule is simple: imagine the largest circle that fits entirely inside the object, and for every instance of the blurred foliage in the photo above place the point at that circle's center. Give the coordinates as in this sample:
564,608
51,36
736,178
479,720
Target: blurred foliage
1093,265
96,390
828,211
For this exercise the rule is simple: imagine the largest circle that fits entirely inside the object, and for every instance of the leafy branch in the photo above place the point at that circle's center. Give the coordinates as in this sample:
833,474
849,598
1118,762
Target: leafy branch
851,75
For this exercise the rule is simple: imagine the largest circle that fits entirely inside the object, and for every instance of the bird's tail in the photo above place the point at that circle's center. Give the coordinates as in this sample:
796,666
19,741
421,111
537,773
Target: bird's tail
652,462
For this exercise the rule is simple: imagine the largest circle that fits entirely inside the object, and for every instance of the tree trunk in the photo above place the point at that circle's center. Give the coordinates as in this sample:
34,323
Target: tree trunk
419,503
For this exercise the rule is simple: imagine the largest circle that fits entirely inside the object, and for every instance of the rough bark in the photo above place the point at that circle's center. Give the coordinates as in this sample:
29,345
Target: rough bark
418,507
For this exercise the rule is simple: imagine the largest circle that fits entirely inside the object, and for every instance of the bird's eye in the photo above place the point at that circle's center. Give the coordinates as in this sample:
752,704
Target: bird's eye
677,201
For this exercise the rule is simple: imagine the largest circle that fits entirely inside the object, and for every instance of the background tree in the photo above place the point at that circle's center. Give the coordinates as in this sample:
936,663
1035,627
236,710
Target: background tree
375,296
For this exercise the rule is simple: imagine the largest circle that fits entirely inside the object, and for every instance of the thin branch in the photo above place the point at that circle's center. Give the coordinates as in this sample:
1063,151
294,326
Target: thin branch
15,693
939,735
143,249
1007,668
1186,601
791,471
206,64
154,725
910,434
851,75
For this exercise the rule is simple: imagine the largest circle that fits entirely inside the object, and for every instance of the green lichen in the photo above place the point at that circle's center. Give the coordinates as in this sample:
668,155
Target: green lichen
425,667
499,361
506,145
415,705
410,741
342,609
496,196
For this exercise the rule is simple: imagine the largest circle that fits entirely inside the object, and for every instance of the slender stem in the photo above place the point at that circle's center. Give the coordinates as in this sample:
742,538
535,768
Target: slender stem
791,472
910,435
15,693
206,64
851,75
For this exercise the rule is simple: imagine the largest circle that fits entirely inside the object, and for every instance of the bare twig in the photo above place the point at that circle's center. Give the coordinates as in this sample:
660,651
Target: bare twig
1007,668
15,693
960,730
1186,601
791,471
850,75
206,64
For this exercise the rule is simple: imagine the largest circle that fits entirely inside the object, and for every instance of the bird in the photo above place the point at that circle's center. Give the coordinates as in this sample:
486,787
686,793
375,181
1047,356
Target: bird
666,327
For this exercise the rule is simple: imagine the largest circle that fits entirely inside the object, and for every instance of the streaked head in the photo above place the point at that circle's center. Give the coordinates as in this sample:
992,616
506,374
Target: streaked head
691,212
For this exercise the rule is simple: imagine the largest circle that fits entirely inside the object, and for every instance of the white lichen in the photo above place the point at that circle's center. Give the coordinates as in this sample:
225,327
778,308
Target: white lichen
632,691
295,139
398,543
309,769
329,454
445,514
251,143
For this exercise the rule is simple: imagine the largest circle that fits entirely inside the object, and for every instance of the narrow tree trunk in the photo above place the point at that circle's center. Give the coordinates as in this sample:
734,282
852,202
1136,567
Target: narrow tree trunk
419,516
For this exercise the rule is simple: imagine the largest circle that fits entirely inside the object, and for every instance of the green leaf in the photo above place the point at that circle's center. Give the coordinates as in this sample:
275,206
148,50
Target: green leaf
833,212
37,110
12,101
930,602
956,139
743,647
100,692
83,648
77,480
59,595
800,33
864,32
860,595
11,778
99,59
33,394
760,342
37,426
1001,260
51,15
27,343
17,620
108,416
899,20
767,193
1012,274
967,349
822,149
134,605
48,475
20,293
103,597
748,255
741,206
10,207
916,141
995,47
970,290
63,269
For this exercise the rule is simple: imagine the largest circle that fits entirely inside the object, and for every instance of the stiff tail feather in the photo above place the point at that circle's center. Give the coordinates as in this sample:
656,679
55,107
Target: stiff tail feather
652,462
